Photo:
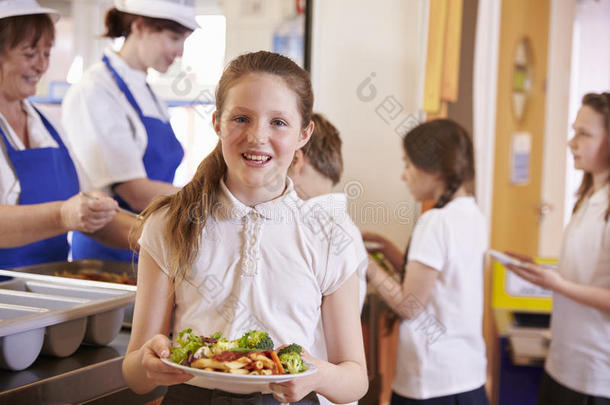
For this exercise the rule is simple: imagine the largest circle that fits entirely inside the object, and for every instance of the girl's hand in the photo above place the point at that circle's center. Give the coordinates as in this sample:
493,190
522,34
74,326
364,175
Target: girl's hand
297,389
156,371
523,258
544,277
87,214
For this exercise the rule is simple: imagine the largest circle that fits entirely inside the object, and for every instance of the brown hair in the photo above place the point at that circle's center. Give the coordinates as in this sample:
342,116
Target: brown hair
25,28
443,147
323,150
189,208
601,104
118,24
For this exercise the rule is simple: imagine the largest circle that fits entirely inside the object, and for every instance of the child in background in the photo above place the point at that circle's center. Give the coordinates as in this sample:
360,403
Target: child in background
315,170
577,368
230,251
441,352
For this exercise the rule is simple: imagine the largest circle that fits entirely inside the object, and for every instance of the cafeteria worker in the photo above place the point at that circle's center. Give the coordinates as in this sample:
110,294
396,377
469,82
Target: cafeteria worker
117,125
39,183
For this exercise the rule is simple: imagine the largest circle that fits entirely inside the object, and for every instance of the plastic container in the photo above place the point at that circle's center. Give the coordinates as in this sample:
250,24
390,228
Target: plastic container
55,316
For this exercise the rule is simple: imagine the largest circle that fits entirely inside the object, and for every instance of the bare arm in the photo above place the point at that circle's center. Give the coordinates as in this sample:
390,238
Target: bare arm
409,299
120,232
592,296
343,378
24,224
142,368
138,193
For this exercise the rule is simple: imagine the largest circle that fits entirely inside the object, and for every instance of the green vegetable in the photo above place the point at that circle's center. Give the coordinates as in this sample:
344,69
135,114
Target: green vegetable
187,341
293,348
290,357
255,340
292,362
245,350
223,345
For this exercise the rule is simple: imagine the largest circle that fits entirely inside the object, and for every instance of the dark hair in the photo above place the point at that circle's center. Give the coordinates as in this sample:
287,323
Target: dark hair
200,196
25,28
323,151
118,24
443,147
601,104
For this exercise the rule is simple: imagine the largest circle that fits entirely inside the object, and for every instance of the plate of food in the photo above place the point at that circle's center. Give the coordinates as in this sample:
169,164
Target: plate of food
241,366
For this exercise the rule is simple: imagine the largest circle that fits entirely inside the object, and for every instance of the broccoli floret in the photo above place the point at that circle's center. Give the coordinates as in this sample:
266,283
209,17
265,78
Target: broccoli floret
293,348
256,340
292,362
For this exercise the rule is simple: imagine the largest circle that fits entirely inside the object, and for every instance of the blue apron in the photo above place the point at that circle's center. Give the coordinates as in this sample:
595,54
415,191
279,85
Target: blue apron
162,156
45,175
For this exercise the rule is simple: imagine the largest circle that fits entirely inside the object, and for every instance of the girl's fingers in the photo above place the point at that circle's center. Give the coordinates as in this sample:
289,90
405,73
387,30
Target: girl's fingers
160,345
168,378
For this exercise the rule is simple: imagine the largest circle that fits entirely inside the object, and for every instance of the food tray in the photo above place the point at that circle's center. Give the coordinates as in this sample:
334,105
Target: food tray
54,315
78,266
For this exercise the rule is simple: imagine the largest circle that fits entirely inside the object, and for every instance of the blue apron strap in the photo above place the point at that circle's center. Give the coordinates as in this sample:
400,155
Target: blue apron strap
123,86
50,128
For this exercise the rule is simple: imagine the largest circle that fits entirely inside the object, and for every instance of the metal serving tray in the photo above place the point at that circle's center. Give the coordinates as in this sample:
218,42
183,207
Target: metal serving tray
54,315
77,266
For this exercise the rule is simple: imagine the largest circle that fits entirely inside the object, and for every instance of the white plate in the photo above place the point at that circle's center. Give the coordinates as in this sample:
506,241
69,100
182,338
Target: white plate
236,383
371,245
504,258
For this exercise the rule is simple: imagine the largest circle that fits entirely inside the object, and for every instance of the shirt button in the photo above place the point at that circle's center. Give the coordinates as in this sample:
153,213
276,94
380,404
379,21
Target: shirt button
253,240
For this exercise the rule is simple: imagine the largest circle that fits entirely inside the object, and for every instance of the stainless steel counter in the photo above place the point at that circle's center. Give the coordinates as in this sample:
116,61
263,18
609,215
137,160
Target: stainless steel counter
88,376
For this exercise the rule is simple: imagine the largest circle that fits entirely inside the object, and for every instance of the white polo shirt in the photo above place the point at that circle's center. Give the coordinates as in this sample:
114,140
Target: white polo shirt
441,351
265,268
579,356
107,135
39,137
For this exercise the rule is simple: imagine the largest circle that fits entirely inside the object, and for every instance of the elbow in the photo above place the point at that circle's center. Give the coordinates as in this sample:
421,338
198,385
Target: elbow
364,386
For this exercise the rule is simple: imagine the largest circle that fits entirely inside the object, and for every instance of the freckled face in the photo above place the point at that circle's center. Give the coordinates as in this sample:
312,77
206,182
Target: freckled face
260,130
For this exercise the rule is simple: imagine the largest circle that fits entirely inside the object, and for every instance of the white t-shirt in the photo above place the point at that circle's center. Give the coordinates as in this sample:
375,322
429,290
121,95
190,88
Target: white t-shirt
104,129
442,351
264,268
39,137
333,208
579,356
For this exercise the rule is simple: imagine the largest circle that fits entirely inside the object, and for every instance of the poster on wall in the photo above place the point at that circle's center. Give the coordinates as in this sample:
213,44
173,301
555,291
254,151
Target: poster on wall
520,158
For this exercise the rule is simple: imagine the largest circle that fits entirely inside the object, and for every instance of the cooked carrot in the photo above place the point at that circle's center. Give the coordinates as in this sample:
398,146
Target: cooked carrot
276,360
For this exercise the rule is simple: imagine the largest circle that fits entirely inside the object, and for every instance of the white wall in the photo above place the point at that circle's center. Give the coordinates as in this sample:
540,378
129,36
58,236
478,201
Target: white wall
557,126
351,41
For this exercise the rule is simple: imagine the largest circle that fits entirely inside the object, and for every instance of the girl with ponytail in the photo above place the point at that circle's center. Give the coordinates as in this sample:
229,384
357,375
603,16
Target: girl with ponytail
441,352
577,368
232,251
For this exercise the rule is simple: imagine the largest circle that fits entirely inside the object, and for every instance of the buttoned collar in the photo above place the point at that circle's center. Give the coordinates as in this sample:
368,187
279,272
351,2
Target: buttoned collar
127,73
279,208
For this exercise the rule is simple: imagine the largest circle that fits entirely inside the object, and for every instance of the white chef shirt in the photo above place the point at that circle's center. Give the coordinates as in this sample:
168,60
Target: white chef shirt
39,137
264,268
579,356
441,351
105,131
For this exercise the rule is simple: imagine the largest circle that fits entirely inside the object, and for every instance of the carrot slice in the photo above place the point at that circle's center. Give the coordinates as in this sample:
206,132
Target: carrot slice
278,364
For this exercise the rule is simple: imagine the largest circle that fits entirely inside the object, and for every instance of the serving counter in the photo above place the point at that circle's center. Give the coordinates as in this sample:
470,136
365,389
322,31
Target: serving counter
92,375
